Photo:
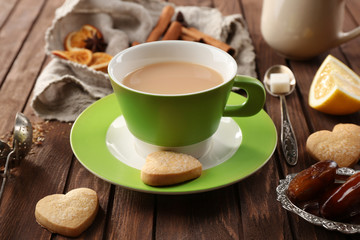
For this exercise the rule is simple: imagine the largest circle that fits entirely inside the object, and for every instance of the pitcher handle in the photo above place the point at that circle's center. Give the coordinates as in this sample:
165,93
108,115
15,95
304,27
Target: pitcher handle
347,36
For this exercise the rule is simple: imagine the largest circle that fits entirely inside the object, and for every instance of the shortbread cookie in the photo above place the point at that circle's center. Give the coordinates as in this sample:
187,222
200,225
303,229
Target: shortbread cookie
342,145
167,168
68,214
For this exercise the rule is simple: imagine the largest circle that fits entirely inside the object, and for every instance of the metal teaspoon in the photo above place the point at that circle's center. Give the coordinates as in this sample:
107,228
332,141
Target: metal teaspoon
288,140
21,145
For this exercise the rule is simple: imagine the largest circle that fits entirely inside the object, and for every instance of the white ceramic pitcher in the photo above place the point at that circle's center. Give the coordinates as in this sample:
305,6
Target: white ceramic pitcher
301,29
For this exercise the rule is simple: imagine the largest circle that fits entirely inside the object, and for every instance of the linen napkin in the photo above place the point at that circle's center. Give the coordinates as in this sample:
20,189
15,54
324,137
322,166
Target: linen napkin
64,88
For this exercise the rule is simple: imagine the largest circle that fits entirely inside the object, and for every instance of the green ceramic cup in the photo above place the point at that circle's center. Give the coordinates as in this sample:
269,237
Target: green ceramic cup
181,120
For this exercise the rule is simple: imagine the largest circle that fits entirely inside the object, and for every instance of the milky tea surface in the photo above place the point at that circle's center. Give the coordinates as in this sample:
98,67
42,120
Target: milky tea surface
173,78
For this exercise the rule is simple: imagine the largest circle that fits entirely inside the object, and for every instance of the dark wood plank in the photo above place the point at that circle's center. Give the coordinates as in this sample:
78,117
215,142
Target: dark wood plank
353,7
15,31
259,207
210,215
41,173
265,58
351,49
81,177
132,215
227,7
29,59
45,170
6,9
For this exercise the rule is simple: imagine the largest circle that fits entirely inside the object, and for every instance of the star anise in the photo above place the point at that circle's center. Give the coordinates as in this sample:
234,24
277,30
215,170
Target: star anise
95,44
181,19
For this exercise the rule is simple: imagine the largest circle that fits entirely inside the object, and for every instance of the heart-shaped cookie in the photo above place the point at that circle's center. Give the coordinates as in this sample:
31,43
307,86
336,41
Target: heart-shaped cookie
166,168
341,145
68,214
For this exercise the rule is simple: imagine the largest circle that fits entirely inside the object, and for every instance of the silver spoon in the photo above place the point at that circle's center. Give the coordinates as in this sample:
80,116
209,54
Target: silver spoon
21,144
288,140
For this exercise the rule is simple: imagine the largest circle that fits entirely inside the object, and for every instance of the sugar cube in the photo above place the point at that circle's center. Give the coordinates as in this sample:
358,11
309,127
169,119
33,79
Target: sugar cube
279,82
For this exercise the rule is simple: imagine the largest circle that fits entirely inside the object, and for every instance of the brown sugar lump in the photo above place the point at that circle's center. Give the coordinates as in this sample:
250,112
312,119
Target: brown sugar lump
341,145
68,214
167,168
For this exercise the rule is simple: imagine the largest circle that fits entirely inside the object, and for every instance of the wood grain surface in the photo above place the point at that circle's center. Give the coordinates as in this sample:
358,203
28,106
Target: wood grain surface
245,210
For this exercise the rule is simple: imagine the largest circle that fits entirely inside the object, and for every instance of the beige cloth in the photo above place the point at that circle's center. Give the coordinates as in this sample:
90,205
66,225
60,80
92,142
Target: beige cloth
64,89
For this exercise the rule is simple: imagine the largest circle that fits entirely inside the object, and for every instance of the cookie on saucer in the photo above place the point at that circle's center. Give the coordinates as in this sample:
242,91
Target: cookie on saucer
167,168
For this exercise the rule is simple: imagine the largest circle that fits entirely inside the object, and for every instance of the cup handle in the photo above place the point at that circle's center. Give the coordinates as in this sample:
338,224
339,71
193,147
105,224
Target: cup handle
347,36
255,97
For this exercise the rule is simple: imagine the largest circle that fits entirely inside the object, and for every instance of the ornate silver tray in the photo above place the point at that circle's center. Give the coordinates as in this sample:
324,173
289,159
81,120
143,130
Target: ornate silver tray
328,224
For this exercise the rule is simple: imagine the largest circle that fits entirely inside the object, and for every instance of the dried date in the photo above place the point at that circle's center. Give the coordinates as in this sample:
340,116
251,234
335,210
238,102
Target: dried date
344,203
310,183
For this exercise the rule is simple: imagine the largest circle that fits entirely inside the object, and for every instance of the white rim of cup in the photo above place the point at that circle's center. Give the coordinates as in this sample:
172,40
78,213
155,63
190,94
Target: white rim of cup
149,44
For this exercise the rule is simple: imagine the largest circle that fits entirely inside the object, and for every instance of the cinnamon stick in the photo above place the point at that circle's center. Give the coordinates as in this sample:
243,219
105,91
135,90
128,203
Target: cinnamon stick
187,38
163,22
186,32
174,31
134,43
193,32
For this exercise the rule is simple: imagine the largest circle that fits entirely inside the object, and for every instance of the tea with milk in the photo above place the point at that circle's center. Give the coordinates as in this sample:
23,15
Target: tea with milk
173,78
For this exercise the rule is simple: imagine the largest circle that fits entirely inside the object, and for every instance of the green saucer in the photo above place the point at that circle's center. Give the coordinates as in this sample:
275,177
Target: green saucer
88,142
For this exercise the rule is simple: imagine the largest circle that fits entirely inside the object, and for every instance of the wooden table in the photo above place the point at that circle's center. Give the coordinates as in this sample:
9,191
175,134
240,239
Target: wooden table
245,210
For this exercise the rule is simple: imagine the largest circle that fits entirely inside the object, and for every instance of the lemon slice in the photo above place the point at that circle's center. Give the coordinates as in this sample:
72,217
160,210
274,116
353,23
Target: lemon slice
82,56
335,88
100,61
77,39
